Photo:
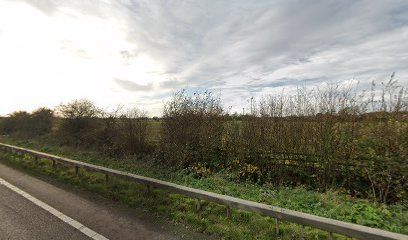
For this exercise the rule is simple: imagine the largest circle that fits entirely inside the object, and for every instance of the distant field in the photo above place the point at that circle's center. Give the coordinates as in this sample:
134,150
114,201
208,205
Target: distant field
154,129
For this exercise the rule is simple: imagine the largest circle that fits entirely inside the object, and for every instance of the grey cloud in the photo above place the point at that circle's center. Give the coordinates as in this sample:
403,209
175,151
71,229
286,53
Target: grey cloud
129,54
202,43
242,47
172,84
283,82
131,86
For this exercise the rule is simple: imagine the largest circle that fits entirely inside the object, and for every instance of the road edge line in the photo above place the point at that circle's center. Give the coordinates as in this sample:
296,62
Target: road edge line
70,221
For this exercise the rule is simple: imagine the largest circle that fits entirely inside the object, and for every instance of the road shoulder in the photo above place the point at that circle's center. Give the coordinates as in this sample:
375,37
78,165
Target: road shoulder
111,219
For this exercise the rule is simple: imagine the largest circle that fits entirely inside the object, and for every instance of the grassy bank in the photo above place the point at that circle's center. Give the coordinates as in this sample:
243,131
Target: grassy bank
211,218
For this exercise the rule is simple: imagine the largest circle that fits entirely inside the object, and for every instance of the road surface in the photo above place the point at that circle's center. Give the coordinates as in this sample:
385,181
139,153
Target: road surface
22,218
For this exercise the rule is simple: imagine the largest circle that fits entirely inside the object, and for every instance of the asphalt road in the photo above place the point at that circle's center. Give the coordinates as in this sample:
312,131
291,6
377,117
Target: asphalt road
22,219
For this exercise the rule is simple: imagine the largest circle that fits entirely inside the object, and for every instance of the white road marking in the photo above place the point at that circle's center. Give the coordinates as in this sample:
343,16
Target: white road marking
85,230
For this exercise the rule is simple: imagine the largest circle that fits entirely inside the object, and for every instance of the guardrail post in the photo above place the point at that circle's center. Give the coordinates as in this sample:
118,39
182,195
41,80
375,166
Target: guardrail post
277,226
149,189
198,205
54,164
228,212
76,170
330,237
106,178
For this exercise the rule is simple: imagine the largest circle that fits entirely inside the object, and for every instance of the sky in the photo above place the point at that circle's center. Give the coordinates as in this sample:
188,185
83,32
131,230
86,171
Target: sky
137,53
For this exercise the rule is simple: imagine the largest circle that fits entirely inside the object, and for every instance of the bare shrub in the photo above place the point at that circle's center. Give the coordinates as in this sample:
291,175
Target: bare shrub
192,129
115,133
132,132
17,123
42,121
107,134
26,125
329,137
78,122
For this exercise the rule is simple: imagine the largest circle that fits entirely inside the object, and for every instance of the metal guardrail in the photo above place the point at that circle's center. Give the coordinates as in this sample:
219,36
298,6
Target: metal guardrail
326,224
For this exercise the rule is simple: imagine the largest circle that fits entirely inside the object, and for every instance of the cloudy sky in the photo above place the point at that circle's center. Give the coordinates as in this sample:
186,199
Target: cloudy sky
137,53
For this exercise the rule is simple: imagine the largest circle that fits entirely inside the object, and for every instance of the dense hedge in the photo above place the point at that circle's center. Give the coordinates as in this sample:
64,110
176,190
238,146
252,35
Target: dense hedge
330,138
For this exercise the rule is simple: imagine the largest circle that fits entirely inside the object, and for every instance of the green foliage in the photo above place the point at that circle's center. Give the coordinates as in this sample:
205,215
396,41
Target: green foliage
333,204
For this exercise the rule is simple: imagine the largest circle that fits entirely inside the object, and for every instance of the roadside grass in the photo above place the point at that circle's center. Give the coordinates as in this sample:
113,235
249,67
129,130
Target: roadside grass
211,218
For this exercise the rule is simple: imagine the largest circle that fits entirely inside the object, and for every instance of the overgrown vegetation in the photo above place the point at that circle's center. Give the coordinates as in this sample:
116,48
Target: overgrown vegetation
211,218
25,125
324,138
327,139
192,130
